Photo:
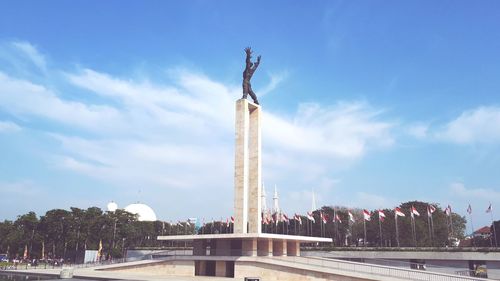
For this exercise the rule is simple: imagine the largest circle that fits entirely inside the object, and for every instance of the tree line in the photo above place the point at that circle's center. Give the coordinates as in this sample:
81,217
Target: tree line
66,234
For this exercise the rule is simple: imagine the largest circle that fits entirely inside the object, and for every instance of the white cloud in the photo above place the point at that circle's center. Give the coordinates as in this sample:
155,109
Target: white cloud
345,130
24,188
488,195
21,97
32,53
276,79
419,131
181,134
479,125
7,126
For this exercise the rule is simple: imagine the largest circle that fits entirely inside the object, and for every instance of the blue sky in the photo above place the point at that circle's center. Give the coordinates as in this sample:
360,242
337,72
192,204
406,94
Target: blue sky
369,104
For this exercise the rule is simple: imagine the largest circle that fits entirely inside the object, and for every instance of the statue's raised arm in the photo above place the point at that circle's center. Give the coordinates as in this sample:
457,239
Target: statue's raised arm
248,73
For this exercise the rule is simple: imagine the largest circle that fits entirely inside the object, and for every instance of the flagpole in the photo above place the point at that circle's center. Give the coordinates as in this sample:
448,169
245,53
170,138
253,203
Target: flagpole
397,231
494,228
432,231
414,230
349,223
469,210
380,229
364,228
451,222
429,223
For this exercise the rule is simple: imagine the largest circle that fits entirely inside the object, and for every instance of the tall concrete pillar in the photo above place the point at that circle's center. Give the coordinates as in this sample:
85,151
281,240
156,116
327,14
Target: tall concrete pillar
265,247
249,247
220,268
293,248
247,168
279,248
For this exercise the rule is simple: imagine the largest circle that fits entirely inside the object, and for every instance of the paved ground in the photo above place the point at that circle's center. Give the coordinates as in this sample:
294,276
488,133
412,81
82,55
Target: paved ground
91,274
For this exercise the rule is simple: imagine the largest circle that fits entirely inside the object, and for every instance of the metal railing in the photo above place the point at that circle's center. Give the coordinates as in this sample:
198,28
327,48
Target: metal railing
321,264
327,264
372,269
29,266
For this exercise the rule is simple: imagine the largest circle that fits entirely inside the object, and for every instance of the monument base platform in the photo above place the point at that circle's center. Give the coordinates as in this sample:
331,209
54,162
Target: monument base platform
246,244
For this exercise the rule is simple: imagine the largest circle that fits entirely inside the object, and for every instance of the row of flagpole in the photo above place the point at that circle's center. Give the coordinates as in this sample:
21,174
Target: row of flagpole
269,219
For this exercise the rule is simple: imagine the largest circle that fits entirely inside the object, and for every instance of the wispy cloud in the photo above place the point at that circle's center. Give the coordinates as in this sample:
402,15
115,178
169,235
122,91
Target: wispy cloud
21,97
276,79
24,188
180,134
7,126
344,130
459,189
478,125
32,53
419,131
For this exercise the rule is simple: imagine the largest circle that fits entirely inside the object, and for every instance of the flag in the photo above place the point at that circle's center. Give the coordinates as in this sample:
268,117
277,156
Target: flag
447,211
227,221
381,215
285,217
323,217
265,219
414,212
367,215
489,209
337,218
276,218
351,216
430,209
298,218
232,219
310,216
398,212
469,209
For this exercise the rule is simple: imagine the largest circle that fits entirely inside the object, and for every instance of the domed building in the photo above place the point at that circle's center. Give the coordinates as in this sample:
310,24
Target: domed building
143,211
112,206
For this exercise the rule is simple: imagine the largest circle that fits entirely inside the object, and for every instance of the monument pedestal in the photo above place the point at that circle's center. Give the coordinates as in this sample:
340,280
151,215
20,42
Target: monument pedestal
247,168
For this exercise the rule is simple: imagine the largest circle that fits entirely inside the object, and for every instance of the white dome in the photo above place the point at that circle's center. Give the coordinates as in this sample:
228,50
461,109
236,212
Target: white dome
143,211
112,206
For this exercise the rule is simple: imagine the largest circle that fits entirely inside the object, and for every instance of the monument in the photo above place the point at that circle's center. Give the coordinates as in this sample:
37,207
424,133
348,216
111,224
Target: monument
247,239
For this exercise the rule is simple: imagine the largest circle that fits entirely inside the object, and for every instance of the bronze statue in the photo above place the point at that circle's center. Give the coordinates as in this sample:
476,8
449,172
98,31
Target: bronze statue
247,75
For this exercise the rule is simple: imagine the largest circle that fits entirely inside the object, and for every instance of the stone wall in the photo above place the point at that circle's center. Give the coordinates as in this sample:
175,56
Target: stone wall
175,268
270,272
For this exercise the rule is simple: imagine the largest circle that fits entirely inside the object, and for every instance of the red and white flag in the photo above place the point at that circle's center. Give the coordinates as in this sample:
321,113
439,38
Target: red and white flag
232,219
337,218
310,216
398,212
285,218
366,215
489,209
351,216
447,211
430,210
469,209
324,219
381,215
414,212
298,218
